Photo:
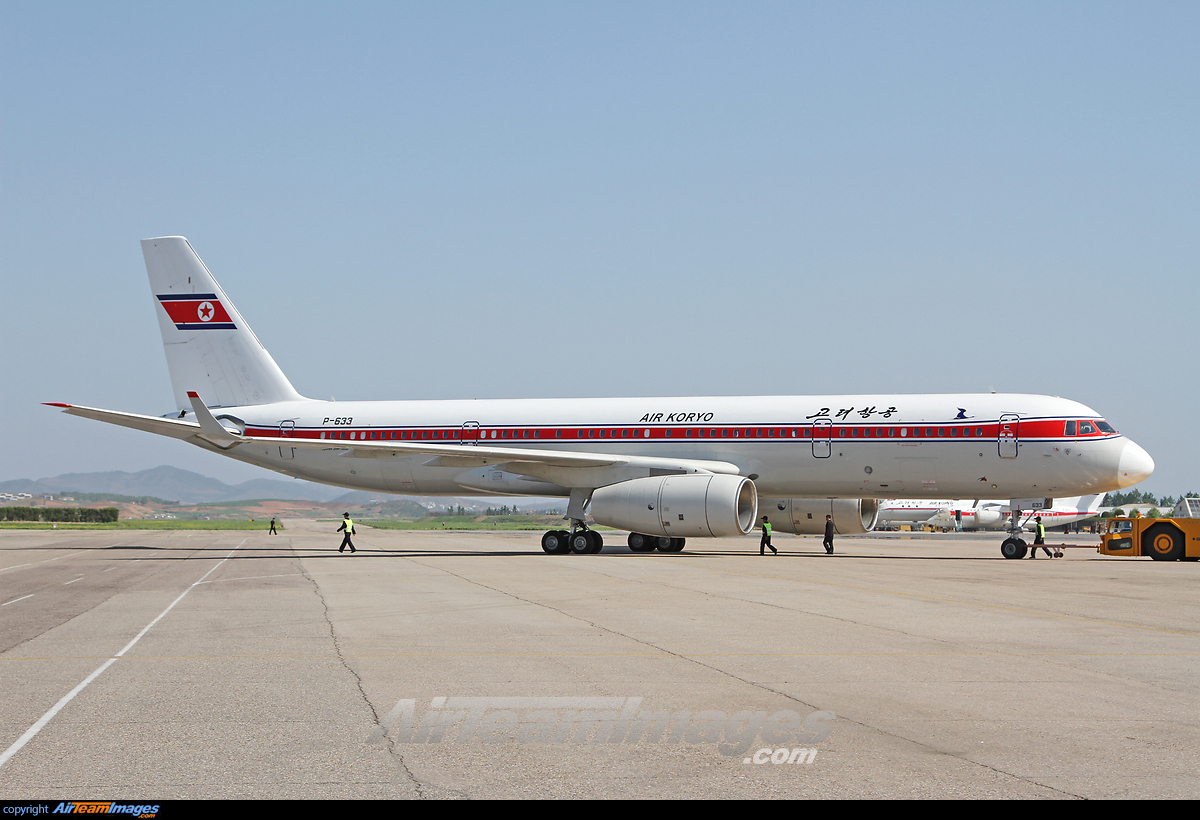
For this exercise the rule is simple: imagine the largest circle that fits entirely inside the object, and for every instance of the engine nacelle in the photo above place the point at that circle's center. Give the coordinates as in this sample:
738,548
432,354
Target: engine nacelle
679,506
806,516
988,517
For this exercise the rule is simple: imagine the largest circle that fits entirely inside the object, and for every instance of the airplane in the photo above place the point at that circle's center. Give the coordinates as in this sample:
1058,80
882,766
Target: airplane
967,514
665,469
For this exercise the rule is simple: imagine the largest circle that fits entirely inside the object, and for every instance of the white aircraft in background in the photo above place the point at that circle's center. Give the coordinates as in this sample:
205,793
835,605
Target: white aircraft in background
973,514
665,469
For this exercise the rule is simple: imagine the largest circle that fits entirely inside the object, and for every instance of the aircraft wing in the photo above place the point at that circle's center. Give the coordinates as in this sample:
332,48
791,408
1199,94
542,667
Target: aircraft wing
522,461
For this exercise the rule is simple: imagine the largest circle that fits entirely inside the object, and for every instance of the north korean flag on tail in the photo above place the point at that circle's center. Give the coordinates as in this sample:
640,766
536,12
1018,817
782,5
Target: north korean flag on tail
197,311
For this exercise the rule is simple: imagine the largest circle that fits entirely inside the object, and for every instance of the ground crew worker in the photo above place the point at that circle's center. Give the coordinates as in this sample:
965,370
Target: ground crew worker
765,543
828,542
348,526
1039,539
272,532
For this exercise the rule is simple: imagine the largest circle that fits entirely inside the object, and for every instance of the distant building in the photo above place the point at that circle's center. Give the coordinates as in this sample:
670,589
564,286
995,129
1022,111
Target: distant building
1187,508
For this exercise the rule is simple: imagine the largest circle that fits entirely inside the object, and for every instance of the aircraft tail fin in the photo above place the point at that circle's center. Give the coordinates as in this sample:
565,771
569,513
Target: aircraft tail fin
1080,503
210,348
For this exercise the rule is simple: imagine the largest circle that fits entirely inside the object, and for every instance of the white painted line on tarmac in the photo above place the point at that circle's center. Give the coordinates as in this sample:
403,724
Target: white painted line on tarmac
73,580
14,600
33,730
47,561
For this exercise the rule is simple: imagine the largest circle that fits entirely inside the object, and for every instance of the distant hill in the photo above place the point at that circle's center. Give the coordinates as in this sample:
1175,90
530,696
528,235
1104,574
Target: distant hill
186,487
174,484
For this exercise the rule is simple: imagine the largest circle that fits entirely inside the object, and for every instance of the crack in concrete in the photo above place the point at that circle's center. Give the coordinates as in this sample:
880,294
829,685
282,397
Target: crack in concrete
740,679
398,758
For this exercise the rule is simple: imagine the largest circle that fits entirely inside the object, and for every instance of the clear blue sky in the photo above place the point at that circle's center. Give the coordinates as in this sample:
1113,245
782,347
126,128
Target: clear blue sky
568,199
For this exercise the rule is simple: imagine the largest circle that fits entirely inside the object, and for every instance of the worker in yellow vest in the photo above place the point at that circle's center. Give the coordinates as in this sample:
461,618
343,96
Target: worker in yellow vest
348,528
765,544
1039,539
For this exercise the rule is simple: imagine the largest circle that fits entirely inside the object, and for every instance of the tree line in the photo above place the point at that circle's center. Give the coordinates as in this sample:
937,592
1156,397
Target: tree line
1139,497
67,515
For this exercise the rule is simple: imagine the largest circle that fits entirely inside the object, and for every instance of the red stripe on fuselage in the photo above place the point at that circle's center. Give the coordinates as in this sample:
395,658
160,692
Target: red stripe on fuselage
1031,430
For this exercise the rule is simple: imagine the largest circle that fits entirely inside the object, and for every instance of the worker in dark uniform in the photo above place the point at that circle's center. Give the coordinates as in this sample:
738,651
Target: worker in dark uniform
272,532
348,527
828,542
765,543
1039,539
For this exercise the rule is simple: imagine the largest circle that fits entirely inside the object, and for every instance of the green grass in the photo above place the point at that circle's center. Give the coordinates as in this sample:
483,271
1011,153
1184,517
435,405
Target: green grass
144,524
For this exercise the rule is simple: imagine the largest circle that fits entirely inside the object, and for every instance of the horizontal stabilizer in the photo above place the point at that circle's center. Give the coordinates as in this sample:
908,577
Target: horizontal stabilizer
172,428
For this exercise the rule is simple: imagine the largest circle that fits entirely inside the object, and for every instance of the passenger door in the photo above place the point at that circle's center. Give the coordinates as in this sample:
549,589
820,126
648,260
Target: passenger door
822,443
1007,442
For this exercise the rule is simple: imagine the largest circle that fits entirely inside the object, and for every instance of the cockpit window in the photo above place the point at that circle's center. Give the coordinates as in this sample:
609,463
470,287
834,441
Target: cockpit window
1086,428
1104,426
1071,426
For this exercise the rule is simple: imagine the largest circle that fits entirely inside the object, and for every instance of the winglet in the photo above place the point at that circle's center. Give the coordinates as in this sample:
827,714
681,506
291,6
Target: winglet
210,428
56,404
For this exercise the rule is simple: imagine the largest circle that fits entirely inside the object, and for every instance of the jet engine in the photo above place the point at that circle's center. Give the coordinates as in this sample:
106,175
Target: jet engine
806,516
988,517
679,506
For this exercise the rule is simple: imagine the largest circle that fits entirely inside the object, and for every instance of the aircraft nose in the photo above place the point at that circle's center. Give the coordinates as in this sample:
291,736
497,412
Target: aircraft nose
1135,465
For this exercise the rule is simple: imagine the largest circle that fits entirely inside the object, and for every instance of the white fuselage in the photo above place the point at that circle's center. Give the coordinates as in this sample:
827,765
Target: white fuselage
915,446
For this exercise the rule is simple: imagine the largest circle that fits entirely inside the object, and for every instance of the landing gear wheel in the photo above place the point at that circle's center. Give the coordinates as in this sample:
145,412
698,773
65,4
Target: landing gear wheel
581,542
597,543
663,543
1162,542
555,542
677,544
640,543
1013,548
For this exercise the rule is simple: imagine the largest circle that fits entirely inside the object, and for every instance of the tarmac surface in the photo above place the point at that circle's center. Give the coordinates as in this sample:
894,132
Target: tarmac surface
240,665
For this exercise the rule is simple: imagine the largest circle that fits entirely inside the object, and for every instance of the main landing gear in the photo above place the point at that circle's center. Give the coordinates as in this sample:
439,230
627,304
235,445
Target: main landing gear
650,543
588,542
580,542
579,539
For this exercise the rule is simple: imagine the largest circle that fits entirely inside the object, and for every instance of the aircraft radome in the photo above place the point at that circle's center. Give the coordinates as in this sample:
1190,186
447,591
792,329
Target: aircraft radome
665,469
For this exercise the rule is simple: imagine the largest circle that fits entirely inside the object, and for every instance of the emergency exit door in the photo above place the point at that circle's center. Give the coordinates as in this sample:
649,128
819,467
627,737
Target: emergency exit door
470,433
286,428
